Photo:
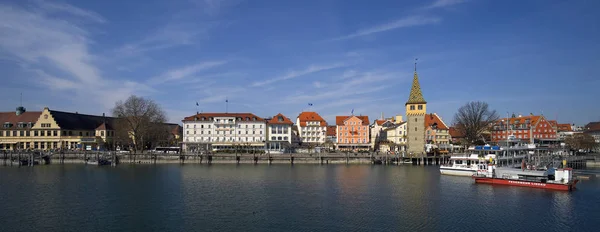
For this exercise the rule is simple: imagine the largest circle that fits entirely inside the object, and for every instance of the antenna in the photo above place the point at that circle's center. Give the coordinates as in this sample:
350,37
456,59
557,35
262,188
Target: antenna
416,59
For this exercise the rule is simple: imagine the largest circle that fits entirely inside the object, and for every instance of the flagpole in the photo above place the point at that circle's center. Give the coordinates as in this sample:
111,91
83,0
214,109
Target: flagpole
226,105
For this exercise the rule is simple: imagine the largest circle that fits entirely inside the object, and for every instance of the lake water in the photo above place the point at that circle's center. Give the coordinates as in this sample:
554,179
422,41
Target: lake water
280,198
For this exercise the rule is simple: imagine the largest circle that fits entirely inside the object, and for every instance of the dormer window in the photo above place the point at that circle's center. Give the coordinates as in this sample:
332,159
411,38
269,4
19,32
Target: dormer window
247,118
280,119
7,125
203,119
254,119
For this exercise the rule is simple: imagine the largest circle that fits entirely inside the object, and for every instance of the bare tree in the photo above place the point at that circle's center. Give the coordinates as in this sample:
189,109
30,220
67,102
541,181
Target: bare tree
139,121
581,141
473,119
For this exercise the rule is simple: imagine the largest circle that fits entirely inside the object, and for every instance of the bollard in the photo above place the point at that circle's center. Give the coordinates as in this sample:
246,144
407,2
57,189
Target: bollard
292,160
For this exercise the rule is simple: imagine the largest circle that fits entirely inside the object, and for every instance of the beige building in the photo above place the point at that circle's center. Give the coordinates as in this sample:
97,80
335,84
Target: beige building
49,129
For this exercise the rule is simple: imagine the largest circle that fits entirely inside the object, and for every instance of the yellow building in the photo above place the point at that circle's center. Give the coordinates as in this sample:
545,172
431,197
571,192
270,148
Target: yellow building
49,129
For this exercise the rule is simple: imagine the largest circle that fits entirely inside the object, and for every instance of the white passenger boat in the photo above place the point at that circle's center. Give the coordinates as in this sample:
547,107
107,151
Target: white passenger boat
464,165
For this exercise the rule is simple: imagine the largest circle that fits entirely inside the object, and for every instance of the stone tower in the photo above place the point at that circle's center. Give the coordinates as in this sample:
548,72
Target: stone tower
416,108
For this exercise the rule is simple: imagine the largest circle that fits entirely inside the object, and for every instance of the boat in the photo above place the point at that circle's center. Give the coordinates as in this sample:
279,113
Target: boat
555,179
464,165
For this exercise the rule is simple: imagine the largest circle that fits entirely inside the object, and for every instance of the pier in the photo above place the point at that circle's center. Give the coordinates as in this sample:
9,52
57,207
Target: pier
114,158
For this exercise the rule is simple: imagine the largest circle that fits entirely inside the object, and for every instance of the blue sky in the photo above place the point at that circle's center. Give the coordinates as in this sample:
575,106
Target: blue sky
271,56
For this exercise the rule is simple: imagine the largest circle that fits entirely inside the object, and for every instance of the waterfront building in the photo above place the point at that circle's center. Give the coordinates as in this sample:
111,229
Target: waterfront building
223,131
50,129
416,108
394,137
312,128
565,130
331,134
436,132
279,134
353,132
532,128
593,129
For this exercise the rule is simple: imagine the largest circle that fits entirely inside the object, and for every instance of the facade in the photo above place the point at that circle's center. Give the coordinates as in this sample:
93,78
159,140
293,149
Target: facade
436,132
353,132
395,137
50,130
565,130
279,133
312,128
416,108
525,128
332,134
222,131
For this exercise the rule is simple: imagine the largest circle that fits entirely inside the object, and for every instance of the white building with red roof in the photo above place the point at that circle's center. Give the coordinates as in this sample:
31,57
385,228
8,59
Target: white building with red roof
223,131
312,128
279,134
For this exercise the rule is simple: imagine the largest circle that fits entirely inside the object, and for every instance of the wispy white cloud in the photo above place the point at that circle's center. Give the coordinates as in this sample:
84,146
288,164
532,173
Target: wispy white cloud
294,74
186,71
445,3
410,21
54,53
318,84
170,35
55,7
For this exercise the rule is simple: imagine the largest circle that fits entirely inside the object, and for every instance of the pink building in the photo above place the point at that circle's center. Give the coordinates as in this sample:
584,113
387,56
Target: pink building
352,132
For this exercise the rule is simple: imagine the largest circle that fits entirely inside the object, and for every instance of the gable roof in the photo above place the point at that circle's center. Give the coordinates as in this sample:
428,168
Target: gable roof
76,121
339,120
331,130
520,120
565,127
553,123
455,133
380,122
311,116
280,119
245,117
431,119
592,127
13,119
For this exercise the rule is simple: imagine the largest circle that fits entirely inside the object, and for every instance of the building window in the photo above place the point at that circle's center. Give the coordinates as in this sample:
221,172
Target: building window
102,133
412,107
420,107
415,128
21,133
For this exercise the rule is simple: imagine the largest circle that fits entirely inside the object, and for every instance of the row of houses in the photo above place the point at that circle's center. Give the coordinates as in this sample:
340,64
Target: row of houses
277,134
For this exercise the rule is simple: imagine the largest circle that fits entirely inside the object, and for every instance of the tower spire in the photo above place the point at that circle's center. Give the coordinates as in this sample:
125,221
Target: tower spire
416,96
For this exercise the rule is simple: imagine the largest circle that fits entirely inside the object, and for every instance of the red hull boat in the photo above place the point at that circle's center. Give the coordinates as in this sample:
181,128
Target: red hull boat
523,183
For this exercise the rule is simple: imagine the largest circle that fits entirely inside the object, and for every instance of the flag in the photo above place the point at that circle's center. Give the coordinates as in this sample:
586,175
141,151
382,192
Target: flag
197,104
226,100
310,104
352,111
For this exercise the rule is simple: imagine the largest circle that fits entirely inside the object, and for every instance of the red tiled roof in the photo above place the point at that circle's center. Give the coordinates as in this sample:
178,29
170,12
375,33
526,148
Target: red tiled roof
553,123
592,127
311,116
565,127
331,130
431,119
520,120
339,120
13,119
455,133
210,116
379,122
280,119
